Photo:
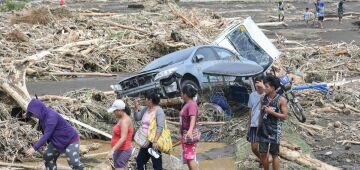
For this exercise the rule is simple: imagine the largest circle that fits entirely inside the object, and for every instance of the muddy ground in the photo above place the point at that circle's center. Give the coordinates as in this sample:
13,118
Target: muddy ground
341,156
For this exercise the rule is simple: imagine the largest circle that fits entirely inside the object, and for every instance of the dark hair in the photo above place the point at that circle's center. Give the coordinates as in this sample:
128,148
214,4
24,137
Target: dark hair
306,8
154,97
189,90
259,78
272,81
127,110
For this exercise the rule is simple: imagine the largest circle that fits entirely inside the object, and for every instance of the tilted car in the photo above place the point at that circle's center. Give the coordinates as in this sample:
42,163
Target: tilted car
240,43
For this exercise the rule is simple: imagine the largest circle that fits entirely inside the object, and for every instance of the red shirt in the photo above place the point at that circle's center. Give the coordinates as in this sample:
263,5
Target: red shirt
117,135
190,109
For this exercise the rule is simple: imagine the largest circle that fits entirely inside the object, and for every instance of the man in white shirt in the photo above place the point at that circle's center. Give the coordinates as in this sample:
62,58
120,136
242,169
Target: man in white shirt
255,107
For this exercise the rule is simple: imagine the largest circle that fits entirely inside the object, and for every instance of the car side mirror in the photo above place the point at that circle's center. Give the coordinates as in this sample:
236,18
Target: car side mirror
199,58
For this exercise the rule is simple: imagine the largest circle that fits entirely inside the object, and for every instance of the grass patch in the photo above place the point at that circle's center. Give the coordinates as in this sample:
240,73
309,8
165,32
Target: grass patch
10,5
292,137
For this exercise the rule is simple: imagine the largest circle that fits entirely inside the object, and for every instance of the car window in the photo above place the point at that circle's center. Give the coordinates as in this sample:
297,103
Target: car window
225,54
208,54
249,49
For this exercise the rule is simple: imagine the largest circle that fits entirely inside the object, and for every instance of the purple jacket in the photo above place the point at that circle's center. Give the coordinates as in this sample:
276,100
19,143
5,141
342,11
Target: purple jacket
55,128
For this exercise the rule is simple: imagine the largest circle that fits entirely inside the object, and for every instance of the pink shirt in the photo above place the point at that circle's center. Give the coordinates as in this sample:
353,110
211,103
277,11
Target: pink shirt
145,121
190,109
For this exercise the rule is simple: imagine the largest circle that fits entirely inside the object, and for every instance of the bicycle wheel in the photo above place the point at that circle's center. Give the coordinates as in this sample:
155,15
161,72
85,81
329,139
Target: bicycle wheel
297,110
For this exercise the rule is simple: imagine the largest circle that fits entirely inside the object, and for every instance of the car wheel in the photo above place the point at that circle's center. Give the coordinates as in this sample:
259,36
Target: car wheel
193,84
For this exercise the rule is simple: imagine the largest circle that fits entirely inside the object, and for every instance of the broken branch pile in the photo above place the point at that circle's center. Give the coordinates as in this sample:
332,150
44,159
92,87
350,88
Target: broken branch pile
15,138
102,43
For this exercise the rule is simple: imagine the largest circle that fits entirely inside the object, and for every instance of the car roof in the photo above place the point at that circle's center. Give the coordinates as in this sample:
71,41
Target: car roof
176,56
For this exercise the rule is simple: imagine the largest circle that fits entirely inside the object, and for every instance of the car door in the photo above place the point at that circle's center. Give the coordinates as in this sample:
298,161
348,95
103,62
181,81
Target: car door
210,58
249,42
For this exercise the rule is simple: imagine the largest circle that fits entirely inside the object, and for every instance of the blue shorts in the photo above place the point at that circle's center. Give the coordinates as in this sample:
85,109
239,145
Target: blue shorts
252,135
121,158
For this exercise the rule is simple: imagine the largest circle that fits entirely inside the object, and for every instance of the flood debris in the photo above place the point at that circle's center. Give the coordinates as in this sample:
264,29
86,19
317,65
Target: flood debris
42,42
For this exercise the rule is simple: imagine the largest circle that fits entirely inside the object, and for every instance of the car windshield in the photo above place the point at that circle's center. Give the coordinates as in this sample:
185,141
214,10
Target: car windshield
249,49
168,59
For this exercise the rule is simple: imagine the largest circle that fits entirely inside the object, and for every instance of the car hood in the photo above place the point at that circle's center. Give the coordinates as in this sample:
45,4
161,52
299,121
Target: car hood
154,71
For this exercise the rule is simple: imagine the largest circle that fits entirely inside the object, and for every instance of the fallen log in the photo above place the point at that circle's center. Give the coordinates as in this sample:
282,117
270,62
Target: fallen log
346,106
14,84
80,74
62,66
94,14
15,165
305,160
79,43
54,97
343,142
121,26
314,127
87,126
95,155
289,145
272,24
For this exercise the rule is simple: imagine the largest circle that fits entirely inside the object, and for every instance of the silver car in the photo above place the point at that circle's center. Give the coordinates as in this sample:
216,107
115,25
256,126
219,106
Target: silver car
240,43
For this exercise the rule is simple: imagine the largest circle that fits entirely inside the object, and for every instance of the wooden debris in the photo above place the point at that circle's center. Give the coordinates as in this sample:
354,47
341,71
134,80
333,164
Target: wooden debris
272,24
121,26
80,74
343,142
54,97
305,160
92,14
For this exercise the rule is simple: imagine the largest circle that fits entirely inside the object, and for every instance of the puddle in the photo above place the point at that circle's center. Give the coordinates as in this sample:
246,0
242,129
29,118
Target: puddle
213,156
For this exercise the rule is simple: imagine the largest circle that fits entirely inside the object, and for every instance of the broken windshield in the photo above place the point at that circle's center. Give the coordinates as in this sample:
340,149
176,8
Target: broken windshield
248,48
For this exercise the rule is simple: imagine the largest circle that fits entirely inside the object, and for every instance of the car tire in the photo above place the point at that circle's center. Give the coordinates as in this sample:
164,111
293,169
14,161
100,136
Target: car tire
191,83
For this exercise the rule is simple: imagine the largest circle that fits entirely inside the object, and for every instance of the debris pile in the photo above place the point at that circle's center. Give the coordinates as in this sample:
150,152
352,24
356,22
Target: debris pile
88,41
15,138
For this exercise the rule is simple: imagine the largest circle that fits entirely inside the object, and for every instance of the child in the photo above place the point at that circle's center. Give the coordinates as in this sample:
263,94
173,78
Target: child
281,12
307,16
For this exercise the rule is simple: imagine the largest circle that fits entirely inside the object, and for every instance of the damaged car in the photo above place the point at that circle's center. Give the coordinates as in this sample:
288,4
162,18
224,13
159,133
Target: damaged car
241,43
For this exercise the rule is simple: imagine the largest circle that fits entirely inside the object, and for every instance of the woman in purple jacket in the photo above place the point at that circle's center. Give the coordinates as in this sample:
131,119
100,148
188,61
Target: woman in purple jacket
61,137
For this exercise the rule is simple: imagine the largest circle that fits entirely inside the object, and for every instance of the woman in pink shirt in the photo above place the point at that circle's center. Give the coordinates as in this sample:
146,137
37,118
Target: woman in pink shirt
188,116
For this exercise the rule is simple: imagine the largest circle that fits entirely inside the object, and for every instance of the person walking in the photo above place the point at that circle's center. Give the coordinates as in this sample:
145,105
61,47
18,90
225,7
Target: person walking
341,10
320,12
255,106
281,12
121,149
58,132
274,111
149,149
190,134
